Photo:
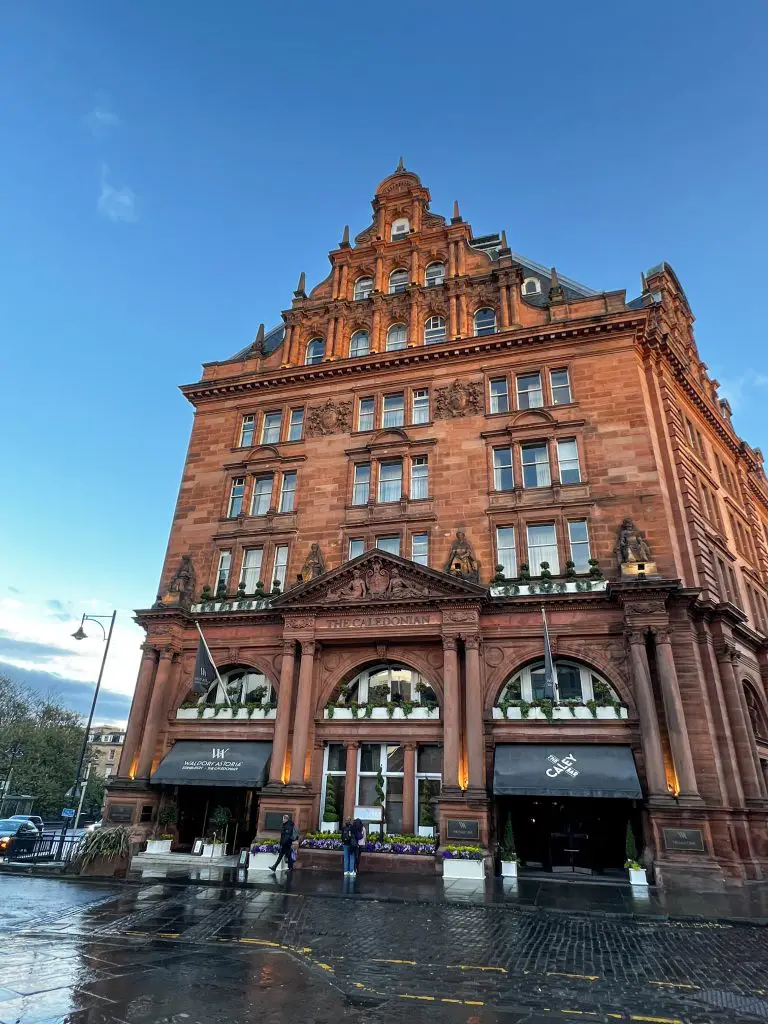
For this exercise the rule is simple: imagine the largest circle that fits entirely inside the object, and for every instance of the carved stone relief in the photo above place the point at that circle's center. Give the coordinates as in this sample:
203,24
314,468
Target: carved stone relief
330,418
461,398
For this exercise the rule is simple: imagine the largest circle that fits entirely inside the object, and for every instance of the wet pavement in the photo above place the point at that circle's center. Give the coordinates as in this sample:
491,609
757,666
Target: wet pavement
311,950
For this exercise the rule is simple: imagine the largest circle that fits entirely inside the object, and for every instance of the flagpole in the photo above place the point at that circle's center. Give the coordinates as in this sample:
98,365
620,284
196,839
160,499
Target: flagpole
215,669
548,660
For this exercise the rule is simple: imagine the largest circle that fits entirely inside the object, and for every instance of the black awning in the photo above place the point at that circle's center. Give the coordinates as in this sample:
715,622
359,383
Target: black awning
560,769
206,763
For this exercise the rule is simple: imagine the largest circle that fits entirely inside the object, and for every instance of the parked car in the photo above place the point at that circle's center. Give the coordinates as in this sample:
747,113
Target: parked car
93,826
36,820
17,838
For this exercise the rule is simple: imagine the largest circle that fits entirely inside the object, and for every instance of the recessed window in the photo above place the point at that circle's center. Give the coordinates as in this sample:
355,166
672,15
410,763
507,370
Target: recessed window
397,337
535,459
250,573
246,431
578,538
262,495
400,227
419,477
572,682
393,413
281,565
363,288
270,428
236,497
365,414
356,547
542,547
506,556
568,461
531,286
288,492
296,425
420,548
315,351
499,394
359,344
362,483
420,408
485,321
561,387
529,392
389,544
503,478
390,480
434,330
398,281
222,572
434,275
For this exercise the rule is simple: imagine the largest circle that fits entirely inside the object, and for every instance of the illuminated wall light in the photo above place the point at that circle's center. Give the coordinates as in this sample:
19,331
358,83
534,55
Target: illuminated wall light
463,771
285,776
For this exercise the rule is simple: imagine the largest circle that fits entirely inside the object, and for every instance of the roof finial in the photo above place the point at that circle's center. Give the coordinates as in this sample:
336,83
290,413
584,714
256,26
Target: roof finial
643,282
400,167
300,292
556,293
456,218
258,346
504,239
345,238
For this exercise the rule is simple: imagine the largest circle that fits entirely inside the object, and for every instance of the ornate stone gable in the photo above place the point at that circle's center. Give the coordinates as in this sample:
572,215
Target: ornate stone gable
377,577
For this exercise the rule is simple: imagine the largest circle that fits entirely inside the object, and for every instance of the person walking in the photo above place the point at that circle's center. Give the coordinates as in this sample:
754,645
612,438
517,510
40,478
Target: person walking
289,835
359,828
349,846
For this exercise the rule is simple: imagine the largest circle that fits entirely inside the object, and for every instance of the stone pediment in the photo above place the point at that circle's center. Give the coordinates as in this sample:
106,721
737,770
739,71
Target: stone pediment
377,577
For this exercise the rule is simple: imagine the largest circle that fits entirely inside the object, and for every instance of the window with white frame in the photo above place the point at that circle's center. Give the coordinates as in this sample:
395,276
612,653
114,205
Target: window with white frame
334,781
389,758
315,351
420,548
568,461
485,321
363,288
222,572
561,387
434,330
236,497
400,227
240,685
419,477
573,681
420,406
355,547
389,544
429,778
398,281
397,337
390,480
296,425
542,547
365,412
531,286
529,392
361,487
434,275
535,461
578,539
250,572
503,477
288,492
393,410
246,431
499,392
359,344
262,495
281,565
506,554
388,681
270,428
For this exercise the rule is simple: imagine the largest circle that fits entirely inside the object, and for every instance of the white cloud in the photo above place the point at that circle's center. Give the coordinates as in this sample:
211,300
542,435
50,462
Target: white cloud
740,390
116,204
101,120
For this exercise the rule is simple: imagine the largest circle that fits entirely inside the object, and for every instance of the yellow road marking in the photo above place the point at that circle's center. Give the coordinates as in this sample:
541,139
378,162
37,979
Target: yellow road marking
326,967
474,967
423,999
134,933
168,935
382,960
564,974
671,984
657,1020
580,1013
445,1000
261,942
473,1002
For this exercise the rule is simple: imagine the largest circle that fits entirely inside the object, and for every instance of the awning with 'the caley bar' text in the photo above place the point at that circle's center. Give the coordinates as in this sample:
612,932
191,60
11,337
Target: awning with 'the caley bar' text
206,763
560,769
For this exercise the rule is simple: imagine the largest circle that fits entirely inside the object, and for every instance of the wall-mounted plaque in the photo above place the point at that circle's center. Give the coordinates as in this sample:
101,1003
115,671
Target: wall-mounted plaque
121,813
242,860
690,840
463,828
197,847
273,820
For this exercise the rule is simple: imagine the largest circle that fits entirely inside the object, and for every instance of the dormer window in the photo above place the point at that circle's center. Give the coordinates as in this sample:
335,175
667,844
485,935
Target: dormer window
363,288
435,275
531,286
315,351
400,228
398,281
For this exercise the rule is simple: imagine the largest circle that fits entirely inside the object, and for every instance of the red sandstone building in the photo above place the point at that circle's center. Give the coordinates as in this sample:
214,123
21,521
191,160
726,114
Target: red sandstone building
379,497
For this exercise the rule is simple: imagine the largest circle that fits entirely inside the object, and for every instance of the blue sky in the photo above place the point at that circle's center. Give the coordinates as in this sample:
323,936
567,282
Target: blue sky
169,169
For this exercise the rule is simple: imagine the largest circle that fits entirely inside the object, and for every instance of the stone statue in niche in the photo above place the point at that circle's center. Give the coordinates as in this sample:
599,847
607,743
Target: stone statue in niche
182,587
314,564
462,561
634,553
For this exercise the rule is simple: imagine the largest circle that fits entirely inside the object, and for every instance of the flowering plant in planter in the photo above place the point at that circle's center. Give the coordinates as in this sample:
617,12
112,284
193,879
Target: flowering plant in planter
375,843
265,846
462,852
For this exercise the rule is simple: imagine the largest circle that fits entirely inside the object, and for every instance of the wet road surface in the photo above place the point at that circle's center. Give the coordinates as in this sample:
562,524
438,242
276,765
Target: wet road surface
88,952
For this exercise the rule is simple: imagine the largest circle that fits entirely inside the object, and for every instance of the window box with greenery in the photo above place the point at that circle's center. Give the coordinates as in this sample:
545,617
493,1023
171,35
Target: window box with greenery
467,862
637,875
245,694
582,693
507,852
382,692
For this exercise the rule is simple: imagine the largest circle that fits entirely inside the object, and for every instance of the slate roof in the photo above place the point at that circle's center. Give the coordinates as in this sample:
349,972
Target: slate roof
272,340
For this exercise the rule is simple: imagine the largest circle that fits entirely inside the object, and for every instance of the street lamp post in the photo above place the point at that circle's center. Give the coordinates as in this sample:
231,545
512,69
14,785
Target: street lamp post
13,753
80,634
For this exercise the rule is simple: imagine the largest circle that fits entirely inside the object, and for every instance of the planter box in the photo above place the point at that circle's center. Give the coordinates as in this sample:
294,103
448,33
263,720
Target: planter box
457,868
342,713
332,860
379,714
509,869
186,713
581,713
264,861
224,713
209,713
211,851
638,877
260,714
241,714
159,845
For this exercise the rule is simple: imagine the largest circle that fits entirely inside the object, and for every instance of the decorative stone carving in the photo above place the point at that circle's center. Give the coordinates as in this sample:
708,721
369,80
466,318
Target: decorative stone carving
463,615
633,551
314,564
182,587
297,623
376,582
461,398
330,418
493,656
461,561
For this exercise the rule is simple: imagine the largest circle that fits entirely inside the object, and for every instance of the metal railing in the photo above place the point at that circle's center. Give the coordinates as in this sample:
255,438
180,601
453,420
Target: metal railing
44,849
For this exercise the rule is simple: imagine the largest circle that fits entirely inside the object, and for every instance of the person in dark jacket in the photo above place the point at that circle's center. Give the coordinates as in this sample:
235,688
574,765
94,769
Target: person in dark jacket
349,846
359,828
289,835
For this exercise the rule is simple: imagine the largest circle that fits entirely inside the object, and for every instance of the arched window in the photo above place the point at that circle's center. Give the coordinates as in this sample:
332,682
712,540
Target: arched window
243,685
573,682
385,683
398,281
756,715
435,275
397,337
434,330
360,344
400,228
531,286
485,321
315,351
363,288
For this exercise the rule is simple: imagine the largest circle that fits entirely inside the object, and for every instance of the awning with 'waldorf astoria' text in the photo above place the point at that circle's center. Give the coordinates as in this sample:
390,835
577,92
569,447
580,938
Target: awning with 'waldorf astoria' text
205,763
561,769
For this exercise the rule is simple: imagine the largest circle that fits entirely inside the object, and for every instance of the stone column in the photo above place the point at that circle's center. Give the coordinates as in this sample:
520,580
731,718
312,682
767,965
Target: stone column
451,717
503,306
409,787
453,319
350,779
452,259
646,708
375,330
330,339
303,712
673,708
138,710
283,717
155,715
741,727
474,709
462,332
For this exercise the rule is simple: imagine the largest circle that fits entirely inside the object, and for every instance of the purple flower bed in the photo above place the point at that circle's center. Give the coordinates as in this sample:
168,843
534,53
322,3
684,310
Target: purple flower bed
425,849
463,852
265,847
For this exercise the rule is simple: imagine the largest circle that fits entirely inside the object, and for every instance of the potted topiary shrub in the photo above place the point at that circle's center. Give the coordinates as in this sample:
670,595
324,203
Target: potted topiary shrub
637,874
507,853
426,814
331,815
215,845
105,851
161,838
